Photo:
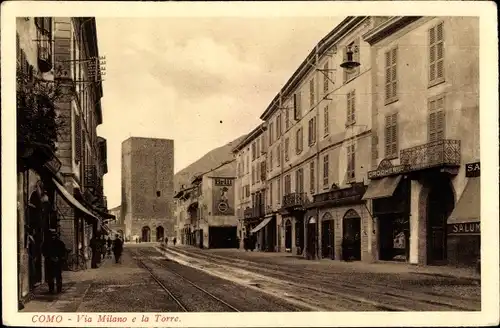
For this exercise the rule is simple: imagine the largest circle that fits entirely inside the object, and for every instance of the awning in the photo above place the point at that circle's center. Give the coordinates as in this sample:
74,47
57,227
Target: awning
261,225
70,199
468,208
382,188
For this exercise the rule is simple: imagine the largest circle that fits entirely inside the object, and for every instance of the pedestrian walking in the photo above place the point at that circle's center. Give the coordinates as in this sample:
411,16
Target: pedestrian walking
94,246
108,246
166,240
103,247
54,251
117,248
175,241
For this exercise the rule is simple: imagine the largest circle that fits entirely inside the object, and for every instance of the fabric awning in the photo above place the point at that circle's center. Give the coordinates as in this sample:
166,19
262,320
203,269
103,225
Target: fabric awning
261,225
382,188
72,200
468,208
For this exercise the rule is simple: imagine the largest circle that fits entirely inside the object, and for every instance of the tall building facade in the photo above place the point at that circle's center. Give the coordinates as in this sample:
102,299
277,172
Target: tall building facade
373,145
147,188
52,189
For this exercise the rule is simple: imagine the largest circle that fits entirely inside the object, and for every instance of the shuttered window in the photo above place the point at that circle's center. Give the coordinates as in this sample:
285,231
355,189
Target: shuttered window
278,126
351,107
436,54
325,78
263,171
299,139
271,193
257,148
351,164
78,138
326,121
299,180
287,149
278,155
312,131
288,184
311,178
311,93
253,151
436,124
270,160
374,150
287,119
391,136
326,170
271,139
391,75
278,186
297,111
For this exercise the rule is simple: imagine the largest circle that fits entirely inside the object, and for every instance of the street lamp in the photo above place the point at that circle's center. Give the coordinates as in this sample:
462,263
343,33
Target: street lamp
350,63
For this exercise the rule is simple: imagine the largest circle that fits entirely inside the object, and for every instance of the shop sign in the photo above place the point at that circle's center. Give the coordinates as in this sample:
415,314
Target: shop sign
473,170
385,168
464,228
342,196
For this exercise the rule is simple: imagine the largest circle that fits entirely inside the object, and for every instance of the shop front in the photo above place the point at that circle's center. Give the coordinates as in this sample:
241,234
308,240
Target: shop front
464,223
293,213
390,196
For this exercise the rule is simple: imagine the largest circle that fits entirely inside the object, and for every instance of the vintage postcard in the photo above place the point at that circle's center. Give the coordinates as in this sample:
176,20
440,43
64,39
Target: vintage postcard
243,164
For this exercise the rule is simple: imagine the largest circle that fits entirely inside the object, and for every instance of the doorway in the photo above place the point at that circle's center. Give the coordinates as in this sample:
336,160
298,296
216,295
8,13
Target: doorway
146,234
394,237
160,233
327,237
299,235
440,204
351,236
288,236
311,237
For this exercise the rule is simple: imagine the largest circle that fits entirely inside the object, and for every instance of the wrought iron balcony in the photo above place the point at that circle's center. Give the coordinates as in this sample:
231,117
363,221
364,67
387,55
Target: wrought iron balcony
433,154
295,200
44,43
90,176
254,212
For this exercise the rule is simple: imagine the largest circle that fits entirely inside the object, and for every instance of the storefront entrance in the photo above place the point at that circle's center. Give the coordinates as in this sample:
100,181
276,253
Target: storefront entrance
327,237
394,237
351,237
440,204
312,228
288,235
299,235
160,232
146,234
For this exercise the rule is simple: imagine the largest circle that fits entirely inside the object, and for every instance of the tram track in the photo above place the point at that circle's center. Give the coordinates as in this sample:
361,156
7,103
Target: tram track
184,307
380,296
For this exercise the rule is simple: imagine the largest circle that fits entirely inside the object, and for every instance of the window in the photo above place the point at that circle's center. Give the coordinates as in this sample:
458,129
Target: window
78,138
248,191
326,170
436,123
349,74
391,75
311,178
311,92
325,78
351,165
299,180
287,147
257,148
374,150
263,170
436,54
288,184
253,175
299,141
278,186
287,119
253,151
297,111
391,136
248,164
278,155
271,193
278,126
270,160
312,131
351,107
257,173
271,126
326,121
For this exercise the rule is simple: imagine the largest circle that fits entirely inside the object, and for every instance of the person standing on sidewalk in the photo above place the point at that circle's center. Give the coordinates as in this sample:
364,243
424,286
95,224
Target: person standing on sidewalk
117,248
175,241
54,251
94,245
166,241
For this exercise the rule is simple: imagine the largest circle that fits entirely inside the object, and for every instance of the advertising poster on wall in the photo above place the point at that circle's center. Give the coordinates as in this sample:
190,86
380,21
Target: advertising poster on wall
223,196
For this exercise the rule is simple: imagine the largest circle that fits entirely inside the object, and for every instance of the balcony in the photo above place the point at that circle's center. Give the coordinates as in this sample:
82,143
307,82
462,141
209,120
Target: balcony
440,153
90,176
254,212
44,43
295,200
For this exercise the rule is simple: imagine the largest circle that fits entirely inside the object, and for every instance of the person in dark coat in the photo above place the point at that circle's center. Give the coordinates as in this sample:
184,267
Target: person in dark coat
117,248
108,245
94,245
175,241
54,251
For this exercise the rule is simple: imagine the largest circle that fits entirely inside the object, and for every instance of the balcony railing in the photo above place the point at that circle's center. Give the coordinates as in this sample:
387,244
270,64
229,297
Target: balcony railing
433,154
44,42
90,176
254,212
295,199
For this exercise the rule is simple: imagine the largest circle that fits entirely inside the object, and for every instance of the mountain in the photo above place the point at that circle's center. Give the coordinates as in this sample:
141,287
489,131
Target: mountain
209,161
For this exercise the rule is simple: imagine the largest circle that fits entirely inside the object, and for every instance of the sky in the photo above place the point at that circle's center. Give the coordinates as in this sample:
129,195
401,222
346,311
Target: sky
202,82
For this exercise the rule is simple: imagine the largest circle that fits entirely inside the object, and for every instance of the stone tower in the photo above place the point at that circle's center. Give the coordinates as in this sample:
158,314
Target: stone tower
147,188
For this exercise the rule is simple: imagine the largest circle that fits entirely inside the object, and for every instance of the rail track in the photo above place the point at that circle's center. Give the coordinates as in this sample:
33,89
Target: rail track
185,308
388,298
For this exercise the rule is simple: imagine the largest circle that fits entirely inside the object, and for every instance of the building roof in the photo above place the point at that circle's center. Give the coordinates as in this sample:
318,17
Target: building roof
250,137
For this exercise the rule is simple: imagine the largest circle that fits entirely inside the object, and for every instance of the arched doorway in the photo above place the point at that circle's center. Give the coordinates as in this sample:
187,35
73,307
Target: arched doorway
440,204
146,234
351,236
160,233
299,235
327,237
311,237
288,235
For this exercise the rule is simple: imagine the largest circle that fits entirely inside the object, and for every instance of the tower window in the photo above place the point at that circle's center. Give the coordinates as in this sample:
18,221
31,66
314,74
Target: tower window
158,193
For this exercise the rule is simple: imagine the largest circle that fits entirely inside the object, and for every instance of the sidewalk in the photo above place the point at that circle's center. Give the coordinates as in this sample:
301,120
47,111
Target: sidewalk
336,265
75,286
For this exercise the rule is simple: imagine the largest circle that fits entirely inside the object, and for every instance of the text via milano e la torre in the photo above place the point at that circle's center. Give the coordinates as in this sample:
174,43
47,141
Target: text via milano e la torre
105,318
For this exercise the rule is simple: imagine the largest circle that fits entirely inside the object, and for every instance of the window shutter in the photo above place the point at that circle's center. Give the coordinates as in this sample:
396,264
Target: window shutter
326,121
295,116
394,135
299,105
348,107
388,91
388,136
353,106
432,54
394,72
440,125
325,77
432,127
311,92
287,119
